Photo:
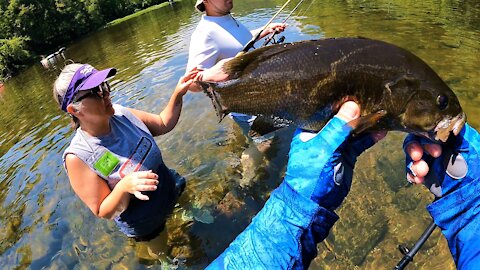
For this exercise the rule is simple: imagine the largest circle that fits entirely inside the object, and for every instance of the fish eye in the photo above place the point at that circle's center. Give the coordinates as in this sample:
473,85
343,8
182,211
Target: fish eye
442,102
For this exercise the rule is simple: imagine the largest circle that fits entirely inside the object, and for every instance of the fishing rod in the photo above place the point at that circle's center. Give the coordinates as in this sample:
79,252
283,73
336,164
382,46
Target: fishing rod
282,38
254,39
409,254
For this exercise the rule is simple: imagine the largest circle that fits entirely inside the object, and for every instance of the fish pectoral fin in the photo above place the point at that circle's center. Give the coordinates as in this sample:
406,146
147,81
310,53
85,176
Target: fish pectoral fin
366,122
263,125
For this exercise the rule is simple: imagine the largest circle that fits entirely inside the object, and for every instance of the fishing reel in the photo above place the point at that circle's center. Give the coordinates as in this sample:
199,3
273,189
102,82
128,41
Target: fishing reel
280,40
271,39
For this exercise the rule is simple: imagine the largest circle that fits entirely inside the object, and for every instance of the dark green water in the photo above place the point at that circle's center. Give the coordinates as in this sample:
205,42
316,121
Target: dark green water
44,225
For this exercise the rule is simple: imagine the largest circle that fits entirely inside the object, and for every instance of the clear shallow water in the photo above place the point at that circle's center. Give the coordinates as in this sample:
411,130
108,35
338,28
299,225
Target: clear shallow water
44,225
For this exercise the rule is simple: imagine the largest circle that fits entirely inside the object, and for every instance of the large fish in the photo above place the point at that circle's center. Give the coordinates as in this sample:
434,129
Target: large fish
305,83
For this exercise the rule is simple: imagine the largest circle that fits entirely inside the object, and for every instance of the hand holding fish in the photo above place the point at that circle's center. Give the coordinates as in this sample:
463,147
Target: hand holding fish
451,171
320,165
213,74
440,167
415,148
185,81
299,213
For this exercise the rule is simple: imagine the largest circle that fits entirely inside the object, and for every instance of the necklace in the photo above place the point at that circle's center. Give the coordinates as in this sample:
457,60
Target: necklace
238,25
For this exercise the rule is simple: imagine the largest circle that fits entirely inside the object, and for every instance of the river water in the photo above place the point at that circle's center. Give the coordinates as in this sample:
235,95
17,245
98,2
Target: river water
44,225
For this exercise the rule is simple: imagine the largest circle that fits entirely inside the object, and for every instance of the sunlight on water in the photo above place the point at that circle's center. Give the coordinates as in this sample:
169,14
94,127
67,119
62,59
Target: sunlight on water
44,225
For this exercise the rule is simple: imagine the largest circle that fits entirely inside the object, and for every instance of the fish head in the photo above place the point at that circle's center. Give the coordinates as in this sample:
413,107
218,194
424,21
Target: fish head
433,111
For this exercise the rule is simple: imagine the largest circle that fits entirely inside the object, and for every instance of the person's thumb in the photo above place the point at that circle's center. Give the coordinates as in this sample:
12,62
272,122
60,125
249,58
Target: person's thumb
348,111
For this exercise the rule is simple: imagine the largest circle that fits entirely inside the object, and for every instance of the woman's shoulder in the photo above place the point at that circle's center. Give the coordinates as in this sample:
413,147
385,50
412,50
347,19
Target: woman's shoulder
122,112
79,147
119,109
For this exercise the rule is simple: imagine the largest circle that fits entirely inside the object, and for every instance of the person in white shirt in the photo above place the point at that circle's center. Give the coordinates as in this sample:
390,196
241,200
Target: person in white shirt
219,36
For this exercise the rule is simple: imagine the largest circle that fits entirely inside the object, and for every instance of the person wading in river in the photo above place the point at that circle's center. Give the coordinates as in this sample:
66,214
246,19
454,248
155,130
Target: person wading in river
113,155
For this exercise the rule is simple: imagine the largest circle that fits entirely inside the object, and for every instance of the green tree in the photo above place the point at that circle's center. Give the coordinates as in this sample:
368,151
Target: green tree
13,55
41,26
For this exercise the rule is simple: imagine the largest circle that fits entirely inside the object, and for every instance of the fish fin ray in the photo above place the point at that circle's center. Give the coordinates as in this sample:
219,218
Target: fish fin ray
208,88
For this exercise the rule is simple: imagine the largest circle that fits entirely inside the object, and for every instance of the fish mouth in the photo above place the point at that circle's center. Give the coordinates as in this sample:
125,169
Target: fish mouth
444,127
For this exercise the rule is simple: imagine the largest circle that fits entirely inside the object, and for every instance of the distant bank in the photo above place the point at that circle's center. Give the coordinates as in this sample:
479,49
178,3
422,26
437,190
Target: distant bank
40,30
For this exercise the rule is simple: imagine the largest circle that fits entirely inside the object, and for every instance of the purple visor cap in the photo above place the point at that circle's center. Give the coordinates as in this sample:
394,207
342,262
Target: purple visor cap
85,78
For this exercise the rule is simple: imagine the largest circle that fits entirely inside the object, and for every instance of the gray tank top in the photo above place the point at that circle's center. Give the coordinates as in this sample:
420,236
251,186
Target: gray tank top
129,147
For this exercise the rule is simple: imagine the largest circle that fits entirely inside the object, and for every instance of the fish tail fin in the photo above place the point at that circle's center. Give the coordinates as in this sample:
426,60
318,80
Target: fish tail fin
215,97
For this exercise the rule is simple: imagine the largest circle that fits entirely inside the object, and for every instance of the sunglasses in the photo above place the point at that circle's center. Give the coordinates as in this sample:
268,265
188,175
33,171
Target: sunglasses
97,92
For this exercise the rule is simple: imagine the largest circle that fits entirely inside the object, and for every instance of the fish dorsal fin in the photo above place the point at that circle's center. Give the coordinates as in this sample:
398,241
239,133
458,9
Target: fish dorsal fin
236,67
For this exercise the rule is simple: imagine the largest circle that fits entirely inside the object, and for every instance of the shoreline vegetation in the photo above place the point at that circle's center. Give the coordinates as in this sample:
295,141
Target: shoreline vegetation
32,29
140,12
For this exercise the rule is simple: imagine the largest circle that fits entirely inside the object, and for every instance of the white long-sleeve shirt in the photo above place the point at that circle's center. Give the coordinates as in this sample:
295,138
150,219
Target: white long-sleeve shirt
214,39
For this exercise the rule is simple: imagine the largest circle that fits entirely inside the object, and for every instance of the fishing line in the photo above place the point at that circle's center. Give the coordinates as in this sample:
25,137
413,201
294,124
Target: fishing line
305,9
293,10
272,35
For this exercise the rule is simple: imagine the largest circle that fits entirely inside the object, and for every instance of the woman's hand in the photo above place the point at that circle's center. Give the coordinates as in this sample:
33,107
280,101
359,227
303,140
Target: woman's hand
137,182
185,81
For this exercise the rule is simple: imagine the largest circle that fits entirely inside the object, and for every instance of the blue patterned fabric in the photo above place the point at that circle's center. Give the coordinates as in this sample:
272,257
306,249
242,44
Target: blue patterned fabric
457,211
299,214
273,239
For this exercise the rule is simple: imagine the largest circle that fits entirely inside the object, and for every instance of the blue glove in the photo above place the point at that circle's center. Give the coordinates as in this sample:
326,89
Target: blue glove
320,166
454,178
